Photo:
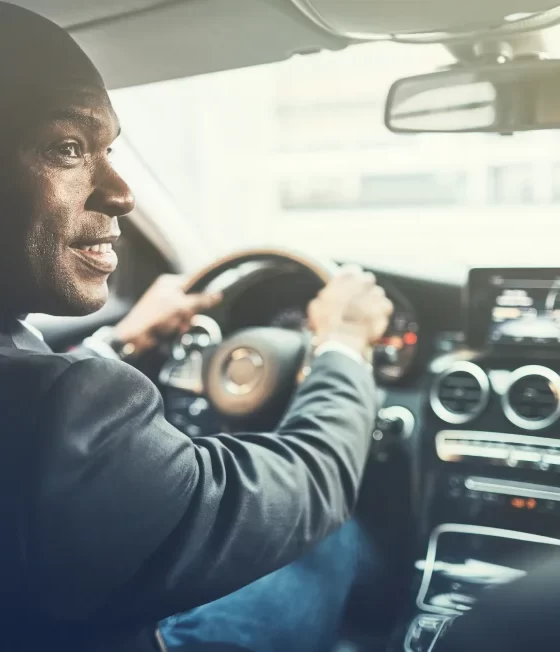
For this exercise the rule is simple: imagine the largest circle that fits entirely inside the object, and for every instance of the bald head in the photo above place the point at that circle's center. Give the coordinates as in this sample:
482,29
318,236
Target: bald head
36,56
59,194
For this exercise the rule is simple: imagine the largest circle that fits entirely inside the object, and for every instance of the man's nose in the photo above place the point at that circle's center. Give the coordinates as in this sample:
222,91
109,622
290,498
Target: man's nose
111,195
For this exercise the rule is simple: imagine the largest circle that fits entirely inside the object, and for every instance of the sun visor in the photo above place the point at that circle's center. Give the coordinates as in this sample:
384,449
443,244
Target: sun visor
429,19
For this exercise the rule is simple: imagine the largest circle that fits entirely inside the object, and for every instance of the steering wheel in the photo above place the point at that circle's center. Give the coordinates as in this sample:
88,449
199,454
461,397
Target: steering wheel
252,372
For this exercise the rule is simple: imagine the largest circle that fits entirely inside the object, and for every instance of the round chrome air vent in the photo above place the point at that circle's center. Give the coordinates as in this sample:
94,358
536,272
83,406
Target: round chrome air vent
532,400
460,393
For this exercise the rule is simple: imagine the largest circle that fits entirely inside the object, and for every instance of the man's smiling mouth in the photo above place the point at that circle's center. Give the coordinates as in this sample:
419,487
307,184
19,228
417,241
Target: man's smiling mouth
103,248
97,254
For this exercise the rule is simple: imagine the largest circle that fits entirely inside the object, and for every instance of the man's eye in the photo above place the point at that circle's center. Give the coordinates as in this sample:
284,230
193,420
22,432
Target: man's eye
69,150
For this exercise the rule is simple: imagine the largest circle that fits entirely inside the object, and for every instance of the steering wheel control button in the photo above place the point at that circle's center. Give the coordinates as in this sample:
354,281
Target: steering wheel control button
184,368
203,340
243,371
198,407
186,374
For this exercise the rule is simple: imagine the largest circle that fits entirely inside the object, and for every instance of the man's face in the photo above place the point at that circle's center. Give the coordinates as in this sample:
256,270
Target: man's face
59,202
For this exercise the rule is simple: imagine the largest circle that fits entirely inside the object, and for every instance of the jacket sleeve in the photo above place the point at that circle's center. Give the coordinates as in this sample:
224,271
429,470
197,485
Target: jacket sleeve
131,521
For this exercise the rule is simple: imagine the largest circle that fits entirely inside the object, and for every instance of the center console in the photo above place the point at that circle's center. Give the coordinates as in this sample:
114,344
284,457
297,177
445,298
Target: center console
490,461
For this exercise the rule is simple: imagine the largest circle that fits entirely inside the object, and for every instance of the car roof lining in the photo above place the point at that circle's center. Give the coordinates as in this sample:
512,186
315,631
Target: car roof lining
141,41
74,13
382,17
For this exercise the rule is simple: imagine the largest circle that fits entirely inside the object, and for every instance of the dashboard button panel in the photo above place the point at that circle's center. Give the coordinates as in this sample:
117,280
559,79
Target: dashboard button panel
499,449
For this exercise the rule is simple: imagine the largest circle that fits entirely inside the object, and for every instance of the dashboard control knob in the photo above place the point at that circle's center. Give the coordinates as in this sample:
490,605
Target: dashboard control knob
392,427
395,422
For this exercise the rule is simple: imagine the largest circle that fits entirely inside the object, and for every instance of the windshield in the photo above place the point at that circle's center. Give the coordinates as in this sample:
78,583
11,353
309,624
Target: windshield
296,154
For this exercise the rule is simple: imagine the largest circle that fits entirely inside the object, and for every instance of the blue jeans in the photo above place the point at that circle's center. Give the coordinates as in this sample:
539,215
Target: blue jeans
295,609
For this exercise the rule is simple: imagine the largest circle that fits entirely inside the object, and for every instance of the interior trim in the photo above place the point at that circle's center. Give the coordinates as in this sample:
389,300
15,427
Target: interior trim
509,488
536,21
499,437
175,41
160,640
541,20
311,12
158,217
466,529
440,364
498,448
122,15
442,620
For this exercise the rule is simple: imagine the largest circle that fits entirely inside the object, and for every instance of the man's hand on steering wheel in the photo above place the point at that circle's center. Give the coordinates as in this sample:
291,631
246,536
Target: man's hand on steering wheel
163,311
351,309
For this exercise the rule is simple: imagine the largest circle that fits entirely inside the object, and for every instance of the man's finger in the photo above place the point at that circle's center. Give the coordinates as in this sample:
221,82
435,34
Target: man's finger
194,303
377,291
388,307
184,282
210,299
369,277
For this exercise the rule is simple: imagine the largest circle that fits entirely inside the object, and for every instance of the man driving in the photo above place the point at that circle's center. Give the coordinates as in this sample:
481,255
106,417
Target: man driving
112,518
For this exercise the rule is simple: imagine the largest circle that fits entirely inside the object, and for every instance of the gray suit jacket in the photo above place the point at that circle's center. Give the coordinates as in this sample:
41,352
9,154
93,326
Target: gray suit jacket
112,519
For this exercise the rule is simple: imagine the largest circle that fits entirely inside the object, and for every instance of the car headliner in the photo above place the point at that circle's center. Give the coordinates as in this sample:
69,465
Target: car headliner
140,41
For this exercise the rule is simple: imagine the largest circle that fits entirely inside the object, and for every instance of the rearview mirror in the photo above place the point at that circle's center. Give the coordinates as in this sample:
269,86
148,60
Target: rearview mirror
500,98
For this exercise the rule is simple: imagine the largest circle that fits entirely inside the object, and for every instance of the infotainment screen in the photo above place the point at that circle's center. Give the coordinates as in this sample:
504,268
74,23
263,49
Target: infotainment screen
519,307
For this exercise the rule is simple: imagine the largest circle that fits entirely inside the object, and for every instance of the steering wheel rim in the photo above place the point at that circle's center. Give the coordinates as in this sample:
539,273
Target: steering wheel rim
252,373
324,270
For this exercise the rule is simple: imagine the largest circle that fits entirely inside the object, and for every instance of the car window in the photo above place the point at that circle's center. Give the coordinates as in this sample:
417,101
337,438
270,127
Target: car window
296,154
